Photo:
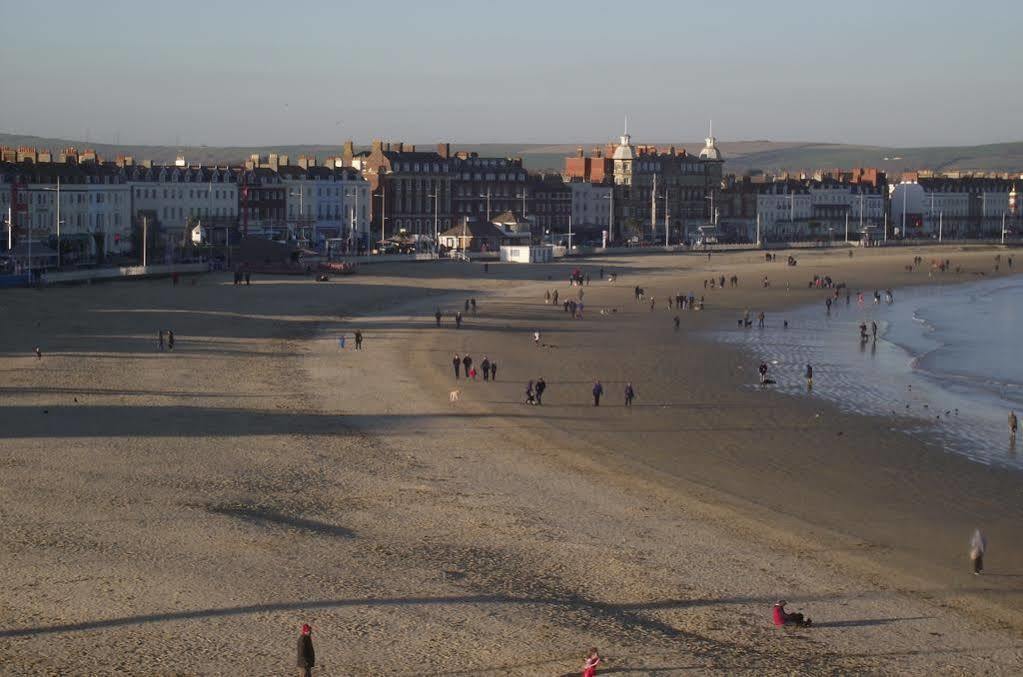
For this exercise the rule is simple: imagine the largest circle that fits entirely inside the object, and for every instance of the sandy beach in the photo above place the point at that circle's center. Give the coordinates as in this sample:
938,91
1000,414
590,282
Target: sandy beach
185,512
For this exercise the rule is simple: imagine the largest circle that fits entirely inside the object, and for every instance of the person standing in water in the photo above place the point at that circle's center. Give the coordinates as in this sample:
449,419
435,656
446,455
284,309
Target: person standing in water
809,377
978,545
1013,424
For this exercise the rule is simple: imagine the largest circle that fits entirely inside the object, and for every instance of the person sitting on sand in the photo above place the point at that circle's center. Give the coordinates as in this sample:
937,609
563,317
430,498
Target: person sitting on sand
592,661
782,617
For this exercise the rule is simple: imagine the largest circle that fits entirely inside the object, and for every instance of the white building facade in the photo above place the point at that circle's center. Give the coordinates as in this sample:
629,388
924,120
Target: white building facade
87,205
326,202
591,204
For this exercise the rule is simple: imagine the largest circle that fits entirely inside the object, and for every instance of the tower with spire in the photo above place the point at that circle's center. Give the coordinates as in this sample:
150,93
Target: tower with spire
623,158
710,148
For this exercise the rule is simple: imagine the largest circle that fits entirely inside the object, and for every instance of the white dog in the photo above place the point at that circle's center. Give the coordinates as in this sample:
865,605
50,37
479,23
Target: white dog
454,395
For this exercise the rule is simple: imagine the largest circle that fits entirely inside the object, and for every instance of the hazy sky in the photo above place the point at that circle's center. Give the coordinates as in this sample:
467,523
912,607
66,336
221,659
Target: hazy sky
254,72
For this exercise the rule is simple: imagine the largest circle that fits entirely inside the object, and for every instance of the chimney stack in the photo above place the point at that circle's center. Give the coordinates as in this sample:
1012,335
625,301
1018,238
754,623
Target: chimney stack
444,150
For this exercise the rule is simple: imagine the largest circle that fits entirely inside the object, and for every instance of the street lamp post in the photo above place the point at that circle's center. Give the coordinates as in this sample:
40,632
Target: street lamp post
436,220
487,195
610,214
355,216
383,212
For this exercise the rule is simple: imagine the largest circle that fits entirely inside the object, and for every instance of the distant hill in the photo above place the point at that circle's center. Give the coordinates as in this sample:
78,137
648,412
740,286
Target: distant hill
740,156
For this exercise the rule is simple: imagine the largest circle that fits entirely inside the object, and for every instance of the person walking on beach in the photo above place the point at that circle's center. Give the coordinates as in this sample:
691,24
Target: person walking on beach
493,371
467,305
541,386
598,390
1013,424
827,302
160,340
978,546
763,372
760,320
341,342
530,397
873,329
458,320
677,322
456,362
358,339
472,302
466,366
809,377
39,353
591,663
438,316
306,654
547,296
485,366
630,394
536,339
554,297
170,340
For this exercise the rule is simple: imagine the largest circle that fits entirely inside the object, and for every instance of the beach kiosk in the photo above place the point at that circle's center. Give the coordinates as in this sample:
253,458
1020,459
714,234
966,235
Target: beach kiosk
527,253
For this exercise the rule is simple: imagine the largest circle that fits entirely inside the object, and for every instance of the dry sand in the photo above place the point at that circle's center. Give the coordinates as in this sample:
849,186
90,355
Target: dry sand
185,512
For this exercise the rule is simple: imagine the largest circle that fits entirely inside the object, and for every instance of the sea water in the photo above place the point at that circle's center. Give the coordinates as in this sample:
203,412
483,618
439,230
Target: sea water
947,365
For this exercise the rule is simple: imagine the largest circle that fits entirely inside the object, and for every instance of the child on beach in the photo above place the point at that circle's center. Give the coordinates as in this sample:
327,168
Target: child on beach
978,544
592,661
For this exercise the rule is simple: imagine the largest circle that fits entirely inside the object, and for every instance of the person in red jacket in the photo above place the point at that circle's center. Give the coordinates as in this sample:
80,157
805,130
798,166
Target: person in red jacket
782,617
306,655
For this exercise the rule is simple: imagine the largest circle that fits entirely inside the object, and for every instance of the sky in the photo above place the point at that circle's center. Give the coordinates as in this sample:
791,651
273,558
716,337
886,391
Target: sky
900,73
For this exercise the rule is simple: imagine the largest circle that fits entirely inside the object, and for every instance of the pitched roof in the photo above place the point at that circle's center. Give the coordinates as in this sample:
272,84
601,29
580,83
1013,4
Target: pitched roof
481,229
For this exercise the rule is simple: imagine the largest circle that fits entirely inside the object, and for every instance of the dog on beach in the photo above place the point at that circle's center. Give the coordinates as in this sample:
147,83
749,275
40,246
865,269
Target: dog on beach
454,396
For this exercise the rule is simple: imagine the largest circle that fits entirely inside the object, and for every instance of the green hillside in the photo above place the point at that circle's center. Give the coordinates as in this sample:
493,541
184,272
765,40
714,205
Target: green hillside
741,156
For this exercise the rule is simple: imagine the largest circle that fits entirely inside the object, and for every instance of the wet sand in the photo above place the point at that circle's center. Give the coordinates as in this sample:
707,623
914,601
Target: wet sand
189,511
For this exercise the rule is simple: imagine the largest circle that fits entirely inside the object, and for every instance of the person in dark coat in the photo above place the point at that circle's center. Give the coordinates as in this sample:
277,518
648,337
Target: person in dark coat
630,394
170,340
458,320
306,654
456,362
437,315
358,339
485,366
598,390
493,371
541,386
467,364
